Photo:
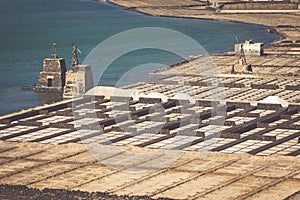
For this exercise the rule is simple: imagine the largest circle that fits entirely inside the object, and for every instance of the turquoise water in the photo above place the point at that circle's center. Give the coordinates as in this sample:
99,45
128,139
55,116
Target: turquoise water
29,27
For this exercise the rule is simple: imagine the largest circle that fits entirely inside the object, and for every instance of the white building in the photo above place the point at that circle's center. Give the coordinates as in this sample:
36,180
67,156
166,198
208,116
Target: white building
250,48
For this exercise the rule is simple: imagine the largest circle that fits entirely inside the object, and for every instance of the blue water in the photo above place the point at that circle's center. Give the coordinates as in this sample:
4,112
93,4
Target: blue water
29,27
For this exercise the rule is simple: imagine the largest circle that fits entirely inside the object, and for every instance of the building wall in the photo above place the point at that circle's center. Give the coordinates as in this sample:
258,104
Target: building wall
53,75
78,81
255,49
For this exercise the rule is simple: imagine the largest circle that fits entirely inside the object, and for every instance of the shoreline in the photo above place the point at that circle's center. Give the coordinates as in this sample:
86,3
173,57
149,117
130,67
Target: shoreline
220,17
179,17
212,15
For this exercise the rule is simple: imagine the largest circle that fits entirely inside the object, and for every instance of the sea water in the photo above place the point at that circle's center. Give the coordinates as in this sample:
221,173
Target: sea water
29,27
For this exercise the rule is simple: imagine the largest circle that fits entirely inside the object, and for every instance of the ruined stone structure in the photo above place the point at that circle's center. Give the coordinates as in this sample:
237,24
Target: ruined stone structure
56,78
79,79
52,78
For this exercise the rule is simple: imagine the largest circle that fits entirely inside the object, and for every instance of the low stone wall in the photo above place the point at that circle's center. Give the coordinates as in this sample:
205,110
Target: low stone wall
260,6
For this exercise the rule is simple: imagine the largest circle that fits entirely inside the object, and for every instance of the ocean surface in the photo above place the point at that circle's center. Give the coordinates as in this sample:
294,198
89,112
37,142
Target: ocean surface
29,27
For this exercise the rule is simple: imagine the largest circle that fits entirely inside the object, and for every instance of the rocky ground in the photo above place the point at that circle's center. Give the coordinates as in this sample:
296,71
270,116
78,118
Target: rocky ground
22,192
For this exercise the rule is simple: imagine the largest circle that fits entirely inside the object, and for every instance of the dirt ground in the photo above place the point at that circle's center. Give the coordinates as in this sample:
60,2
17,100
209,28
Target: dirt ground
195,9
192,175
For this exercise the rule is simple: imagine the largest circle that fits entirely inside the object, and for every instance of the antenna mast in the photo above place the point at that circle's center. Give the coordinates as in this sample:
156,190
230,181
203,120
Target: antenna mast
243,61
242,56
54,52
215,4
74,56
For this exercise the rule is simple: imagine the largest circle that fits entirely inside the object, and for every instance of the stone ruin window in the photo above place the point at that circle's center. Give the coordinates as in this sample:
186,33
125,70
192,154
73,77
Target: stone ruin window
49,81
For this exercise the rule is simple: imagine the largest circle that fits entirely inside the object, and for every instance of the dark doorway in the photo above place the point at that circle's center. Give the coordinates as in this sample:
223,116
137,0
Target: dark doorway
49,82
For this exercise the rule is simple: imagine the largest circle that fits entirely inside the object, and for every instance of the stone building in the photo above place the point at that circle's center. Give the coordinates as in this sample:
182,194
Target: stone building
79,79
52,78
